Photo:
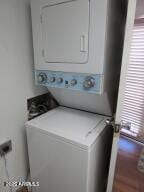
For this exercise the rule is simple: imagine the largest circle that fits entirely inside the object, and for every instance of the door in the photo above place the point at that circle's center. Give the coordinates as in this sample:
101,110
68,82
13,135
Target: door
70,35
127,41
61,46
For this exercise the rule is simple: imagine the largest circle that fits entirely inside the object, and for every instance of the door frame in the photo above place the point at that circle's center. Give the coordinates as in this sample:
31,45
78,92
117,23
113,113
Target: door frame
125,59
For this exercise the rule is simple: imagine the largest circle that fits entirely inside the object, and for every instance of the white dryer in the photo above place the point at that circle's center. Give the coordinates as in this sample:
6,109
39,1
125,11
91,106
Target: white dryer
68,151
78,50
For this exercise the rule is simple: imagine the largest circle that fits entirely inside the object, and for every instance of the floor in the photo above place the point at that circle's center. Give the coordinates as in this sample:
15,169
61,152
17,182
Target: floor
22,189
127,176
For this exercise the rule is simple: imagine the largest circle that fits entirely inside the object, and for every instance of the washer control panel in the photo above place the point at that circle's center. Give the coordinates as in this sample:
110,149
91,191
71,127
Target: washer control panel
73,81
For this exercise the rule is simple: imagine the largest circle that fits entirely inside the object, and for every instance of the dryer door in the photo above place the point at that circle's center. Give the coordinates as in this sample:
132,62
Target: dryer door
65,29
70,35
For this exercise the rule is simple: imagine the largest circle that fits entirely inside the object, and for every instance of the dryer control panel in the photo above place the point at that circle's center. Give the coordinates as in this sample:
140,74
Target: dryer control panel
73,81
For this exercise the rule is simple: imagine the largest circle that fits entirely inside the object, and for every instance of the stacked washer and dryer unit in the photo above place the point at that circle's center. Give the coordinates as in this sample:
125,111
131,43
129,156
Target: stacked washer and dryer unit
77,54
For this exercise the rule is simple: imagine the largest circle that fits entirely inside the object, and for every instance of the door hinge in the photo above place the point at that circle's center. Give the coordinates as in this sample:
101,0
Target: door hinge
115,126
118,126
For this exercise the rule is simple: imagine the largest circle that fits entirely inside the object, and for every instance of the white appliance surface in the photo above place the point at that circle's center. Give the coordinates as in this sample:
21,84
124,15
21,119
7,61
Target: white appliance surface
70,124
68,35
68,151
78,50
70,46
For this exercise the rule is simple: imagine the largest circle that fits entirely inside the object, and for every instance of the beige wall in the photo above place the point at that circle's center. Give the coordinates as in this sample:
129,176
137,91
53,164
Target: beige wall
16,82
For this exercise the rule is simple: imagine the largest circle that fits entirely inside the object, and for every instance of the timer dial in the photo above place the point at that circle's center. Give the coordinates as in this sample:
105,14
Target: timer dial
89,82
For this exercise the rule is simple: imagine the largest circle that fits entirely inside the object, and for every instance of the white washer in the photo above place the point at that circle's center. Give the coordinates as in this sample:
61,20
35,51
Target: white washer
69,151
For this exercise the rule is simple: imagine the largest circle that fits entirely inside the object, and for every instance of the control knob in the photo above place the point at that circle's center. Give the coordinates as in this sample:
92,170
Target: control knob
73,82
89,82
52,79
60,80
42,77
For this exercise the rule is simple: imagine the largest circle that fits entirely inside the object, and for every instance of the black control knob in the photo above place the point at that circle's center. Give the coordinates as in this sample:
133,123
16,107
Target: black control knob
42,77
89,82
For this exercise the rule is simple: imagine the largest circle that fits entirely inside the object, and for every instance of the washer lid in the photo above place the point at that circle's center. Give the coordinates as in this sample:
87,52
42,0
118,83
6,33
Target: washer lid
70,124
